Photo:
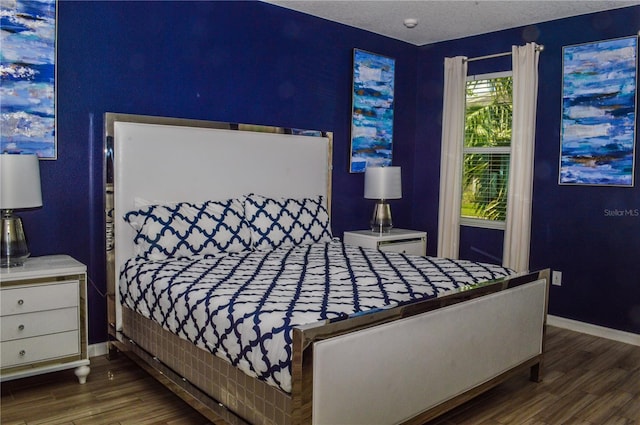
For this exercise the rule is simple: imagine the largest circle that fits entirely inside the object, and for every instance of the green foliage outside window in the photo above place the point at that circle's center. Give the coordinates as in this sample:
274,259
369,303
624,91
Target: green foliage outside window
487,142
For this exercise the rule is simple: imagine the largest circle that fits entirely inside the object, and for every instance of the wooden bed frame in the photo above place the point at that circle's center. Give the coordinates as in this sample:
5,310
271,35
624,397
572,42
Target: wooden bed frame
406,364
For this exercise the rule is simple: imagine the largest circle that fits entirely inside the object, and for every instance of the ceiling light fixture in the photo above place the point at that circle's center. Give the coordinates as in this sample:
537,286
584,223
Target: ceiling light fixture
410,22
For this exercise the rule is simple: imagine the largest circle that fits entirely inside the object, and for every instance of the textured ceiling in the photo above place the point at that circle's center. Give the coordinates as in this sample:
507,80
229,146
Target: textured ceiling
445,20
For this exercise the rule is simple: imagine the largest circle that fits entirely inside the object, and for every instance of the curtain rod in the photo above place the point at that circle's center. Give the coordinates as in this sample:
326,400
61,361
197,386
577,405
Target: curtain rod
497,55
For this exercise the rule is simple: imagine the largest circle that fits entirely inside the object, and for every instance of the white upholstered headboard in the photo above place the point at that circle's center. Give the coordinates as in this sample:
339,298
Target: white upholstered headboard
165,159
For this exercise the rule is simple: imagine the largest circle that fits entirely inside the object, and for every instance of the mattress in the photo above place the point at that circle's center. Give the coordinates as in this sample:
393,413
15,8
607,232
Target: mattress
243,306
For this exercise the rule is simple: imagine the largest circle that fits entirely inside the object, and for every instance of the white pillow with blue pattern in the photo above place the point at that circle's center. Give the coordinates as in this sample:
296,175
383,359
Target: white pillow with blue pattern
286,222
187,229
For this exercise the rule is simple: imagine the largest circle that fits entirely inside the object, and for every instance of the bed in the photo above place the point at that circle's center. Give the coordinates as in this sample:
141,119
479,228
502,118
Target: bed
421,336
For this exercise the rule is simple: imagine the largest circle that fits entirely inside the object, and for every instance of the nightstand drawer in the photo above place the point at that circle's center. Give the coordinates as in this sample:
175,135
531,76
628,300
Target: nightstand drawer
31,350
39,323
410,247
27,299
411,242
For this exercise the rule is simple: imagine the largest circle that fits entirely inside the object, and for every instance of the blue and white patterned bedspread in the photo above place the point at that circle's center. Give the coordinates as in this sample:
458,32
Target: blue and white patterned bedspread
243,306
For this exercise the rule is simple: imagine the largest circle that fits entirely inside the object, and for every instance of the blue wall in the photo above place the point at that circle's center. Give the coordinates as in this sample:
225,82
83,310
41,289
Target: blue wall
257,63
575,229
239,61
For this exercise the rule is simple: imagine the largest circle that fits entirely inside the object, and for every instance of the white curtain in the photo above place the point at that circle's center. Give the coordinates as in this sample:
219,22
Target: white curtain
455,75
517,233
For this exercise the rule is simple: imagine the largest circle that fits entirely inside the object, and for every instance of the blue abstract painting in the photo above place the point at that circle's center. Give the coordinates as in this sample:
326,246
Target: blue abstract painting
372,114
598,113
27,70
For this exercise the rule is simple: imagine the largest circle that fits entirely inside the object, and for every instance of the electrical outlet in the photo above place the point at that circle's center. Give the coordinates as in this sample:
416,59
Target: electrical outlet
556,278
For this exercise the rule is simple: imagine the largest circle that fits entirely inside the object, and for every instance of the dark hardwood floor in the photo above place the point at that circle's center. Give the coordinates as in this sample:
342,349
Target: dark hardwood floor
587,380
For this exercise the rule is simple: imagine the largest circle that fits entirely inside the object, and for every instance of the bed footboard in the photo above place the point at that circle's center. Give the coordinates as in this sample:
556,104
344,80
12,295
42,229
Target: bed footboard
413,363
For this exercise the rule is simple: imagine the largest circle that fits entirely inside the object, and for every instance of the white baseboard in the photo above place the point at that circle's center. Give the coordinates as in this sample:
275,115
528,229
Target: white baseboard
99,349
595,330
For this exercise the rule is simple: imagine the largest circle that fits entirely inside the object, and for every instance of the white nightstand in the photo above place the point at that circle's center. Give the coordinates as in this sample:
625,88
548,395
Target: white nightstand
43,318
397,240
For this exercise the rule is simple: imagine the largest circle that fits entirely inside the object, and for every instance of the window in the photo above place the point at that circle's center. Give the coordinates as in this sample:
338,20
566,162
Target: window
486,150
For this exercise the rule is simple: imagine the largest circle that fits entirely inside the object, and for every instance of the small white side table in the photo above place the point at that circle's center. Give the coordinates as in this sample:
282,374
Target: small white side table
411,242
43,318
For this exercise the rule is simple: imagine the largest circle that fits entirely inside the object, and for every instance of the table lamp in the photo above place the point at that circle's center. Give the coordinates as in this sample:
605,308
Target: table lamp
20,188
382,184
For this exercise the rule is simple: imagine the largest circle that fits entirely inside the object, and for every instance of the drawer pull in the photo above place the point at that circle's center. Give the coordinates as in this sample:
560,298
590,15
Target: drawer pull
20,302
22,353
21,327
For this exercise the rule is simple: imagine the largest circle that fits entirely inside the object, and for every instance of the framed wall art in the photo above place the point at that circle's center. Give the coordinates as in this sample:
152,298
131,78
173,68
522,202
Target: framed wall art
372,110
599,83
28,72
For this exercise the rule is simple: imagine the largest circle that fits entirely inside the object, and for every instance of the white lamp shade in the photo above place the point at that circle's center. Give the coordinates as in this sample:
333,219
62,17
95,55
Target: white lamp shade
20,184
382,183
